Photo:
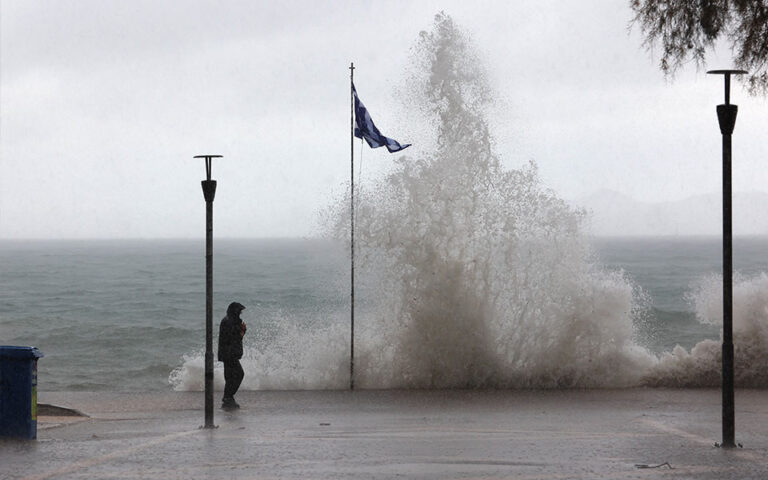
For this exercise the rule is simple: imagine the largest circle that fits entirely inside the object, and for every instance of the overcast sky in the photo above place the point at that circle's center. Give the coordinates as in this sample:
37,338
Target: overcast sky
104,104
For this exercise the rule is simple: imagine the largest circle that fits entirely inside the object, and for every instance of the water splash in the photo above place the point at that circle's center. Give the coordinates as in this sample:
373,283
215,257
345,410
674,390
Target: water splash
480,277
486,277
295,358
701,366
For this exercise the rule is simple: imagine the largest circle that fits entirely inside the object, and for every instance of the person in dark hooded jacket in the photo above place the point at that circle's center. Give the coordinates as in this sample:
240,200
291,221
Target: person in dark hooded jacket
231,332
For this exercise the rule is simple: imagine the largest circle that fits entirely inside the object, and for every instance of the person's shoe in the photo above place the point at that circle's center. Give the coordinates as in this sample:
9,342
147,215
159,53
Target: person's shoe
229,404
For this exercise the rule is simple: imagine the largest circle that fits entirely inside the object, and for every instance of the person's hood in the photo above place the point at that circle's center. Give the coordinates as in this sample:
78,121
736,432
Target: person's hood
234,309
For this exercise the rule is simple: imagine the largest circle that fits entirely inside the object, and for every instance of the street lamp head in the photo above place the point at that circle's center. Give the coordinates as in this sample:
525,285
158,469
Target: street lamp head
727,75
208,159
727,72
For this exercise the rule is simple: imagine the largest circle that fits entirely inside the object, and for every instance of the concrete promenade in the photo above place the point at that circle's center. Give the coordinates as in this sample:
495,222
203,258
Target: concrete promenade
565,434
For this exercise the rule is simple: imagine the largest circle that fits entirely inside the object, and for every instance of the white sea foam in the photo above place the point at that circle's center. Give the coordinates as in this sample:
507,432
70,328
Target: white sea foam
294,358
701,366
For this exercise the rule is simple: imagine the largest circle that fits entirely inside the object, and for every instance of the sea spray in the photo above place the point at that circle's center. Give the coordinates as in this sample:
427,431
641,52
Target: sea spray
296,359
486,279
476,276
701,367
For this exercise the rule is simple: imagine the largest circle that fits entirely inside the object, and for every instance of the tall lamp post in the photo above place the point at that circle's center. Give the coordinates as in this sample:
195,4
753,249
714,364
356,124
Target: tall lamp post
726,116
209,191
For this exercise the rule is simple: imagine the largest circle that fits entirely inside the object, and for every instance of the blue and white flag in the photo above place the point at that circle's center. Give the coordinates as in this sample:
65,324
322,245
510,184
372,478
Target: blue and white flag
364,128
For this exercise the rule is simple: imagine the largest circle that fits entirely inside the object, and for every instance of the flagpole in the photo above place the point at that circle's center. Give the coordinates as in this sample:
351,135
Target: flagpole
352,227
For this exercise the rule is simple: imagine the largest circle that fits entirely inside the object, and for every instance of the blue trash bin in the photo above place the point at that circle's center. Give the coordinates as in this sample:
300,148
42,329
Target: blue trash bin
18,391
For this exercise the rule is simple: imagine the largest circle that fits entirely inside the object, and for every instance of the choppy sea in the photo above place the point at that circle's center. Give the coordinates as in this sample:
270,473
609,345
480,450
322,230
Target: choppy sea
125,315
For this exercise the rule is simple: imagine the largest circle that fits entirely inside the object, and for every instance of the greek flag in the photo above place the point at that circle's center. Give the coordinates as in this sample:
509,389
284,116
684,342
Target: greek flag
364,128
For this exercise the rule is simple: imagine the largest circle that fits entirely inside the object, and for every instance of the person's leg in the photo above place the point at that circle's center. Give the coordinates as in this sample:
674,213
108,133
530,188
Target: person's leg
237,376
229,380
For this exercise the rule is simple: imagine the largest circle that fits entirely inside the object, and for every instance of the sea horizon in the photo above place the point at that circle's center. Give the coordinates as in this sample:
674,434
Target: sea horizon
322,237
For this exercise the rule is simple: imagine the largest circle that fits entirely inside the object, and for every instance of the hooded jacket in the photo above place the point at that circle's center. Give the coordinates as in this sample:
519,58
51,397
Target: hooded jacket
230,335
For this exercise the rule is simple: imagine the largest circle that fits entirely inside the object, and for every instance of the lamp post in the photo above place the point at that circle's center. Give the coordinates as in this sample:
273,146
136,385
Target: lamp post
209,192
726,116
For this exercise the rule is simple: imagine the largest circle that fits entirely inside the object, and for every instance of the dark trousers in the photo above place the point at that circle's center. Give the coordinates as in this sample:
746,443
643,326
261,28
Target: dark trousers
233,376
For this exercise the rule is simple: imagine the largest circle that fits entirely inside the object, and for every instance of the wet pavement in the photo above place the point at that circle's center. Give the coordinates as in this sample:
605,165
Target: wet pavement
579,434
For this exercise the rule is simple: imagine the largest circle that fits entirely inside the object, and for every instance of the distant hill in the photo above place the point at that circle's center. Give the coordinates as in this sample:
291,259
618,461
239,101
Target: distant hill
613,213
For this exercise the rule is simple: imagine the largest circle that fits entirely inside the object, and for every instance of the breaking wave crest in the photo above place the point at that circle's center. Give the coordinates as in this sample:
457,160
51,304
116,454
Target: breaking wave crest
701,366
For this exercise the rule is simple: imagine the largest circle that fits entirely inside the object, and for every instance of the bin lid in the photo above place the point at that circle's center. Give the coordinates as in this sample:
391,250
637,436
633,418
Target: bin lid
8,351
